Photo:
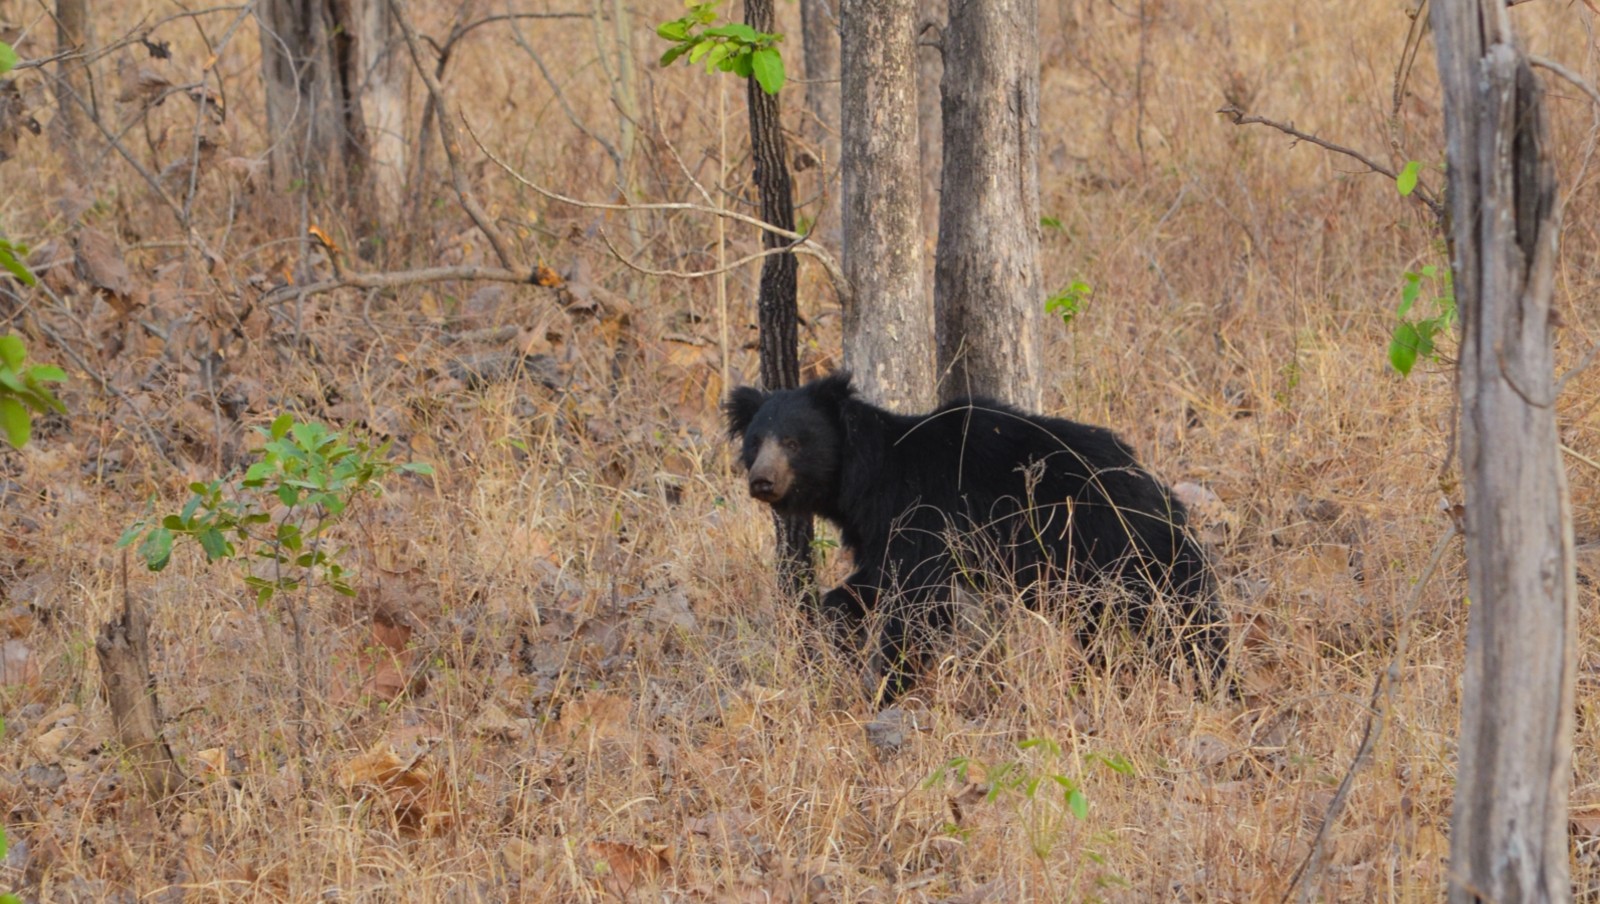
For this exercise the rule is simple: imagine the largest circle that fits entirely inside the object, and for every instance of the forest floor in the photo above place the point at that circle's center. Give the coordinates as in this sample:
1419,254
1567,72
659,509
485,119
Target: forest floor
566,673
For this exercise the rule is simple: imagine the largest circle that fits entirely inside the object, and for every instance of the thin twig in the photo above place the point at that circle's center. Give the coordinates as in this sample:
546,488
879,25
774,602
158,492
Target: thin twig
394,280
1240,118
695,274
451,139
802,243
1382,692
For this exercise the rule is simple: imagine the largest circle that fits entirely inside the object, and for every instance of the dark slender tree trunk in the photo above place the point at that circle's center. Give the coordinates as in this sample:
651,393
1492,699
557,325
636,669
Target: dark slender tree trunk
986,294
1508,839
779,314
888,323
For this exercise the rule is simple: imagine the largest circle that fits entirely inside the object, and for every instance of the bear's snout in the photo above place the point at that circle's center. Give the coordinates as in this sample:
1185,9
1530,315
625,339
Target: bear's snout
770,473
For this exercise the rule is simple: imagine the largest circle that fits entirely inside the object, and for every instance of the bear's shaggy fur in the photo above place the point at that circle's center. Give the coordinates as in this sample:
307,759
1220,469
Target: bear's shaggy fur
973,490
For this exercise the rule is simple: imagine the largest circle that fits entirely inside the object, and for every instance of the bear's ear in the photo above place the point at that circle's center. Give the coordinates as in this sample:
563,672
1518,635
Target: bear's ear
741,408
833,389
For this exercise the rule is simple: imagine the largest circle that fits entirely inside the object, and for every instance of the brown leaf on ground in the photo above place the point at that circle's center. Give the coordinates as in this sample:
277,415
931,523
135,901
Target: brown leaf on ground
101,266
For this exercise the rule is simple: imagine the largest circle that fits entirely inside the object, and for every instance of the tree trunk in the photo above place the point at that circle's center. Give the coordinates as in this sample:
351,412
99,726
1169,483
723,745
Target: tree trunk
819,28
73,91
1509,826
888,324
931,17
986,276
381,81
779,315
323,62
123,649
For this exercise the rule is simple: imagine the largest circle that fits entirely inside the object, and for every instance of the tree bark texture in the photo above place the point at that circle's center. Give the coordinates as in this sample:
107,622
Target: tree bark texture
73,91
123,649
819,29
323,62
779,314
1509,825
931,16
382,75
987,301
888,324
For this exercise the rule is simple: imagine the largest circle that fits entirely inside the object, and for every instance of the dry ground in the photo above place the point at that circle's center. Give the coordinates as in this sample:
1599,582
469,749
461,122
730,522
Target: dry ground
568,676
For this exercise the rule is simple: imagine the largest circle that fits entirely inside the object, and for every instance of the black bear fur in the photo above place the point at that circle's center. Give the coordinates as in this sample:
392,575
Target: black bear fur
1038,500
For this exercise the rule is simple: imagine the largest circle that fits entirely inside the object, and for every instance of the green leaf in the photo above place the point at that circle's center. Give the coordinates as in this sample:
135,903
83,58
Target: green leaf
1051,223
12,352
736,30
701,49
10,261
131,534
281,425
715,56
672,54
676,30
156,550
1078,804
15,421
8,58
767,66
417,467
215,545
739,64
1403,348
1406,182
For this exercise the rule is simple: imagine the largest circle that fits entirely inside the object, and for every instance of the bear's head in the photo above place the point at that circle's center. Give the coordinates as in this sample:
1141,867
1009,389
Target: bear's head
793,442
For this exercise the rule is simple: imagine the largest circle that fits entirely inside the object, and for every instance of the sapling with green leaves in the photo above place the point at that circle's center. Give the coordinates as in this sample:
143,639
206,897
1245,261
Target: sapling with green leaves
304,479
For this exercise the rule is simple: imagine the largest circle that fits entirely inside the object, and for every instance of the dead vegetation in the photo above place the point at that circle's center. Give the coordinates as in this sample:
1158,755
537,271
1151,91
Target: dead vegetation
568,676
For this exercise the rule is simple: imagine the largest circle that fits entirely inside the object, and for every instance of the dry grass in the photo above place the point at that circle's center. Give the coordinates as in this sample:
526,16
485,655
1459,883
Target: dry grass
569,677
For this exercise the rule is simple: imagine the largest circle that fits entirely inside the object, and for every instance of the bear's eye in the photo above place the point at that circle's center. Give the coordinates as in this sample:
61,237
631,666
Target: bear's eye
790,444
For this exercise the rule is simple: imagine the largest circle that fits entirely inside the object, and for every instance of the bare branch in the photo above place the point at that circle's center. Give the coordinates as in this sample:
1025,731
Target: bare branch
1240,118
395,280
450,137
1573,77
801,243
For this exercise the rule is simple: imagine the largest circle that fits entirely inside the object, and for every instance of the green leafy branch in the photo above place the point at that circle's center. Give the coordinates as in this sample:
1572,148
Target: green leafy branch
23,390
1414,336
303,481
733,47
1069,302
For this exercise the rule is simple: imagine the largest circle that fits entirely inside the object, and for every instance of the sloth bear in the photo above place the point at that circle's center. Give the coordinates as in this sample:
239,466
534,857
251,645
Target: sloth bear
976,491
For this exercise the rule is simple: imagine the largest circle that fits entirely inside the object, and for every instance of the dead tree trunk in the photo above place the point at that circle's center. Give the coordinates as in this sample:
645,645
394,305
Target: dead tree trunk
779,314
888,322
123,649
1509,826
987,301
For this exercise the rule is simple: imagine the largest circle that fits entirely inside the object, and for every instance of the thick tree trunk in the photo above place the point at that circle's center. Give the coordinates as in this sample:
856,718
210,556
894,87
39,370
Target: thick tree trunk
986,293
1509,827
324,62
888,324
380,67
779,315
931,16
